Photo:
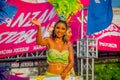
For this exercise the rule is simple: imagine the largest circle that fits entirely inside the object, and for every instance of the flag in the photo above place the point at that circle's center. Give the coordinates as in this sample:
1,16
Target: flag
99,15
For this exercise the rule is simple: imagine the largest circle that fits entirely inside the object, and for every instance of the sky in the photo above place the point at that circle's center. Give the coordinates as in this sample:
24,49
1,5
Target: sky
116,3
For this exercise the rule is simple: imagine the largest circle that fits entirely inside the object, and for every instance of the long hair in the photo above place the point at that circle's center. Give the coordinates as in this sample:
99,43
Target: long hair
53,32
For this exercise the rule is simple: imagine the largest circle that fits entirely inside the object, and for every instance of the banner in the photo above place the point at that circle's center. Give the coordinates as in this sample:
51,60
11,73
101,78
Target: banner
109,38
75,24
99,15
18,34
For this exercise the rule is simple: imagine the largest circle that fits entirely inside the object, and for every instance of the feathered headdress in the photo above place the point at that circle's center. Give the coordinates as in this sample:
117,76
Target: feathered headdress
66,8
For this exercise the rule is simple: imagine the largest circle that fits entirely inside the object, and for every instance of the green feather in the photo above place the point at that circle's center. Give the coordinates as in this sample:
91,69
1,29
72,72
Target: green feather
65,8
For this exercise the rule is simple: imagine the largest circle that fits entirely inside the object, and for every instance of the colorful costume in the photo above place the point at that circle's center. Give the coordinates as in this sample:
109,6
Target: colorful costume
54,56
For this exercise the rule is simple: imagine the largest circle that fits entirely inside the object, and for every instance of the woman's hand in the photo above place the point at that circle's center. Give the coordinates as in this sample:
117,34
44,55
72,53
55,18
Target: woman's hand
35,21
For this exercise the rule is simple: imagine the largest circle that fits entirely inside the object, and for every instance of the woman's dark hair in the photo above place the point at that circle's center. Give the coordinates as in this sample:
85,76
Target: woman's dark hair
53,32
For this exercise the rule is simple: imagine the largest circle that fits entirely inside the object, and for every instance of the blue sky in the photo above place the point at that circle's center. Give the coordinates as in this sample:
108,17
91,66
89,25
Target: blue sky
116,3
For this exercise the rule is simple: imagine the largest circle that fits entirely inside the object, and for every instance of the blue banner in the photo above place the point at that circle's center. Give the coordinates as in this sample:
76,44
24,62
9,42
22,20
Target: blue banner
99,15
6,10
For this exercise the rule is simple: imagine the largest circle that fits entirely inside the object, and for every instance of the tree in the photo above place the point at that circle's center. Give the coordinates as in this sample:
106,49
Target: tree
107,71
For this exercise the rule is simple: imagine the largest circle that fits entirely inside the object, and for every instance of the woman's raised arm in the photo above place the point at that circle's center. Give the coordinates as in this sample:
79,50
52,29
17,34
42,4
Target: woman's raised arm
39,39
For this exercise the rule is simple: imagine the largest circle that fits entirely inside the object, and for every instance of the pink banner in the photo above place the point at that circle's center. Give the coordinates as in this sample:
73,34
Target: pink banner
109,39
19,35
75,24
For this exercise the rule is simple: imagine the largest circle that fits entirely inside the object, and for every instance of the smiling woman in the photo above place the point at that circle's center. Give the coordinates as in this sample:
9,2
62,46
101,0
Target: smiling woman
60,52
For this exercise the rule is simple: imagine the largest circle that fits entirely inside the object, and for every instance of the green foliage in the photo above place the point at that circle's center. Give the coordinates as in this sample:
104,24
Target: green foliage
107,71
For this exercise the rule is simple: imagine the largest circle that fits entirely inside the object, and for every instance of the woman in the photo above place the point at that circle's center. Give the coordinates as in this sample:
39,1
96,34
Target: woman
68,34
60,52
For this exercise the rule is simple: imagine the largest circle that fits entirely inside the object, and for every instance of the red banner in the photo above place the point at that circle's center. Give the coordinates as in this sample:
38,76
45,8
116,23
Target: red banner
109,39
18,36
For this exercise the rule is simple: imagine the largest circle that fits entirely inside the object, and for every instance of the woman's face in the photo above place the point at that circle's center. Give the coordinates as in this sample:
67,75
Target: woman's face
60,30
68,34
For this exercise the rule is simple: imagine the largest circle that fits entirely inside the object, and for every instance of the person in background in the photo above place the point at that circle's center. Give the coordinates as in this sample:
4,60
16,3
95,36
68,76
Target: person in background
68,34
68,37
60,56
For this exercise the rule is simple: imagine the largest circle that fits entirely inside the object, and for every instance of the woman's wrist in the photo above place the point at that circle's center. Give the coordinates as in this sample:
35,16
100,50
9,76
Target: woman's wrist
39,27
64,72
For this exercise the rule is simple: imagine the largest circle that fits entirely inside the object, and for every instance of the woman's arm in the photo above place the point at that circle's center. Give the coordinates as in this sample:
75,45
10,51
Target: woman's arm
39,39
71,61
